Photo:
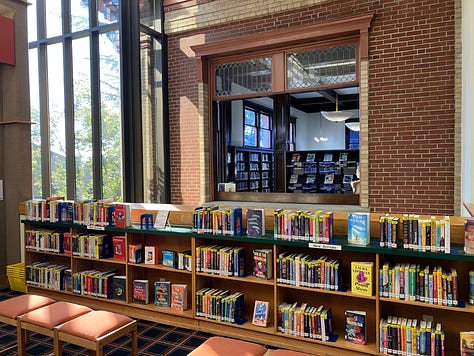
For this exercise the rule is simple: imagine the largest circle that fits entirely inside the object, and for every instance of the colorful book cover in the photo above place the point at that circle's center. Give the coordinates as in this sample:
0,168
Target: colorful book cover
163,293
358,226
467,343
122,215
362,277
118,243
469,236
135,253
119,285
255,222
151,253
260,313
169,258
179,297
263,263
140,291
356,330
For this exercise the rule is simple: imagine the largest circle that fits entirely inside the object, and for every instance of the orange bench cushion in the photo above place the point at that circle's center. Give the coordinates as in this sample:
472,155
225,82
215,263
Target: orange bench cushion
54,314
13,307
218,345
95,324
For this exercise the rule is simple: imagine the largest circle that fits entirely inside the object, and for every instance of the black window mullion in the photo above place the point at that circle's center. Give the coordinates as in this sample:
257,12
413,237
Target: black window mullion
96,116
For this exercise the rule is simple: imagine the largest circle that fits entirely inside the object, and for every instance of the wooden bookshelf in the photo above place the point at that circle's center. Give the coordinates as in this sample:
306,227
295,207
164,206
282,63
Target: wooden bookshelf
180,237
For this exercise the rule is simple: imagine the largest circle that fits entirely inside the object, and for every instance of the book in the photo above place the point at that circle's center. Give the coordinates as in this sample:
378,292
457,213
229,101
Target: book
135,253
343,156
122,215
118,246
260,313
119,288
263,262
169,258
469,236
327,157
162,293
467,343
362,277
310,157
151,253
329,178
179,297
356,330
141,291
255,222
358,226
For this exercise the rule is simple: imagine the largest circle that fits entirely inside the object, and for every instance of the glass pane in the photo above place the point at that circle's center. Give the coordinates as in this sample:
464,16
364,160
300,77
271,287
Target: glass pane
110,108
264,121
79,15
322,66
56,119
250,117
82,118
32,24
265,138
150,13
54,18
250,136
108,11
35,128
245,77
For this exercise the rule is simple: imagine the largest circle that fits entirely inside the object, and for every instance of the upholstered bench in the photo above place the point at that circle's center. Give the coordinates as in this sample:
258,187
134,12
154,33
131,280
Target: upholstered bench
12,308
94,330
44,320
223,346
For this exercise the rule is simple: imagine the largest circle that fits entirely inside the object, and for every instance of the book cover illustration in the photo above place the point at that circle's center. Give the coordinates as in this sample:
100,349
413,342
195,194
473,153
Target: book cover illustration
179,297
467,343
469,236
358,226
135,253
329,178
263,263
119,285
255,222
260,313
163,293
118,246
122,215
310,157
169,258
356,330
362,277
151,253
140,291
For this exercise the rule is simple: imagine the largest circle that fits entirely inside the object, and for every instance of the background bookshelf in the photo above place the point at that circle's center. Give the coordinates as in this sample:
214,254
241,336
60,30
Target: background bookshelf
252,169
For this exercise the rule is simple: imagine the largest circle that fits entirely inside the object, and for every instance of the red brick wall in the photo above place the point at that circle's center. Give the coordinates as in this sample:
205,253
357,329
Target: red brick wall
411,100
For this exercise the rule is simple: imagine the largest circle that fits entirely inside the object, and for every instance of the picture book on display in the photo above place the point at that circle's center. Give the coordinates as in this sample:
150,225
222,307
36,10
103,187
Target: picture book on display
135,253
179,297
358,226
263,263
469,236
362,277
151,253
260,313
255,222
163,293
118,244
356,330
170,258
122,215
119,285
467,343
140,291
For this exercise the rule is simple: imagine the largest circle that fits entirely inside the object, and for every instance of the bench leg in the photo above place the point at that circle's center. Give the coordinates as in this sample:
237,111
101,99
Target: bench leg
58,345
134,341
22,337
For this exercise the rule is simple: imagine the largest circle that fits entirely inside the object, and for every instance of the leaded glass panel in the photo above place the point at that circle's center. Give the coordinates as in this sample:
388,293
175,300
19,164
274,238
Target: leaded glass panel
323,66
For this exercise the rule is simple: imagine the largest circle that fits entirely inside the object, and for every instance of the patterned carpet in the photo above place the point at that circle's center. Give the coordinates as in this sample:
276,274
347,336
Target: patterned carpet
153,339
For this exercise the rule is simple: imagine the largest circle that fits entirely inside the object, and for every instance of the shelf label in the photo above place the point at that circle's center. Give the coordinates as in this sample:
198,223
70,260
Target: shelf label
325,246
95,227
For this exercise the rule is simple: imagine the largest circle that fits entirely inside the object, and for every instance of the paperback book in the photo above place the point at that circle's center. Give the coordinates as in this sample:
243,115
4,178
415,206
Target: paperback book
140,291
356,330
135,253
469,236
170,258
362,277
358,226
119,285
467,343
151,255
255,222
163,293
118,245
179,297
260,313
263,263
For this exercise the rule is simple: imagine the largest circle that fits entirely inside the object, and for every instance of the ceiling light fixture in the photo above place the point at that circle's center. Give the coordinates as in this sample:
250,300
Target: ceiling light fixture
354,126
336,116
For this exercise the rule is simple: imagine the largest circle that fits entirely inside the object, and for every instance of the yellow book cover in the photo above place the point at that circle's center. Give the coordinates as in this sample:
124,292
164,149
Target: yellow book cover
362,277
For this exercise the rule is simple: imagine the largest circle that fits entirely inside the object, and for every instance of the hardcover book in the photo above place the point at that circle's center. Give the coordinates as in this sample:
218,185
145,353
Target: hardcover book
358,226
135,253
263,263
255,222
163,293
151,253
260,313
356,330
119,285
122,215
362,277
469,236
140,291
169,258
179,297
118,243
467,343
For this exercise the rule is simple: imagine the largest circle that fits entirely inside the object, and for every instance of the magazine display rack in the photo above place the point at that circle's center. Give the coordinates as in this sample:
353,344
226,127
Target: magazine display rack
179,237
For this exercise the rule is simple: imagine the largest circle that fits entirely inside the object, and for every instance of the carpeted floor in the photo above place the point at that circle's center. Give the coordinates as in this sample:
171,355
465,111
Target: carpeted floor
153,339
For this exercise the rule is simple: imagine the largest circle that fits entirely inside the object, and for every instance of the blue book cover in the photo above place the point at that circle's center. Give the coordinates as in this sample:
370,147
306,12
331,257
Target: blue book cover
358,226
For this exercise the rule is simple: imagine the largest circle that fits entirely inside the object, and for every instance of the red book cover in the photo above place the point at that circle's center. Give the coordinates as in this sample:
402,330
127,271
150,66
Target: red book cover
179,297
118,243
7,40
122,215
